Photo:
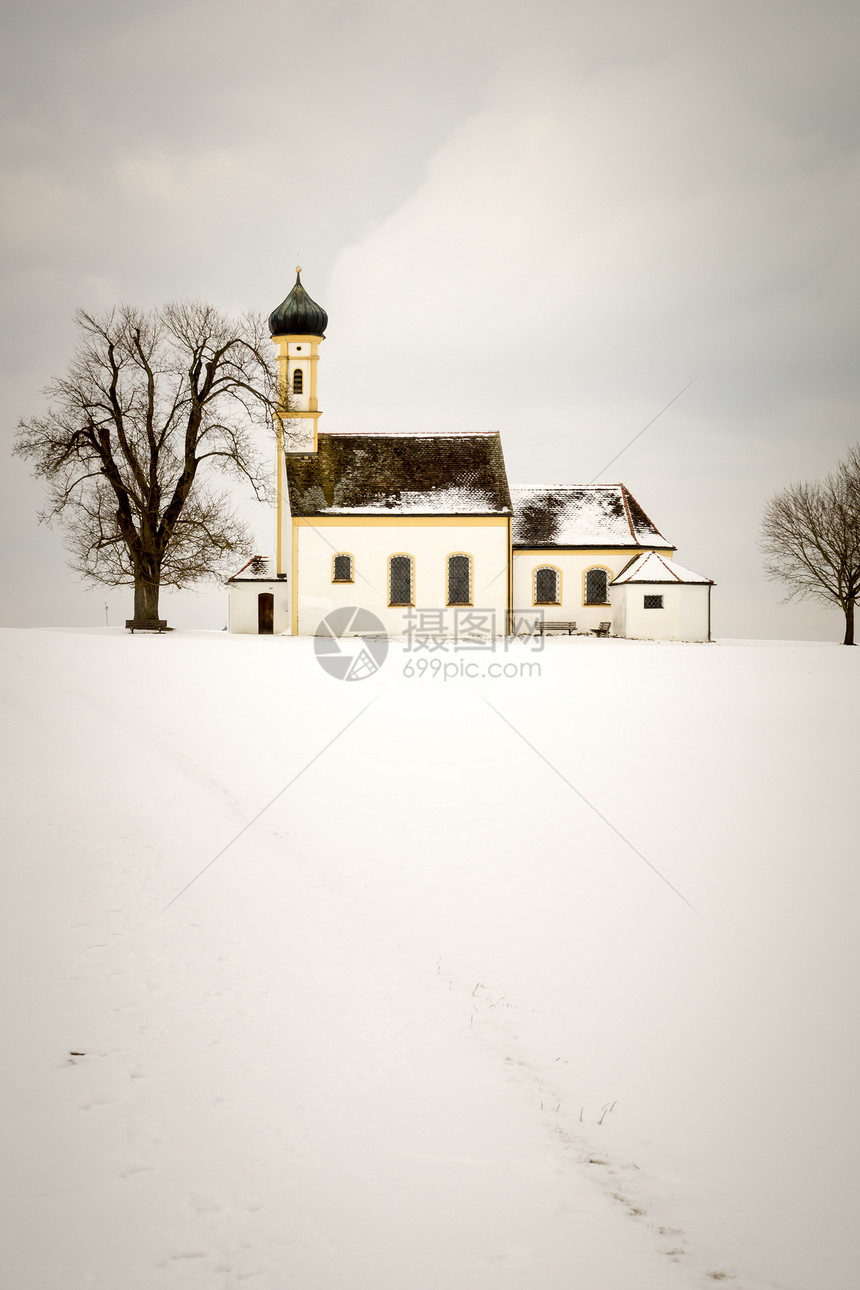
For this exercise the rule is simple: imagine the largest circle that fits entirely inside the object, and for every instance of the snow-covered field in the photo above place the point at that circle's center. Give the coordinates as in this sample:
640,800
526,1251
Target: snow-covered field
430,1022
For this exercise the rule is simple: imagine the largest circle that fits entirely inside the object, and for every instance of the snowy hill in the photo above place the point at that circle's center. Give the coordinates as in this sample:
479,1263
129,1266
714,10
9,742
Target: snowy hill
542,981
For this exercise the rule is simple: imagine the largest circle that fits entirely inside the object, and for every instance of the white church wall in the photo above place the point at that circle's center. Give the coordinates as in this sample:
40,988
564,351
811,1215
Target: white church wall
695,613
652,624
684,616
372,541
299,359
299,353
573,565
243,602
618,616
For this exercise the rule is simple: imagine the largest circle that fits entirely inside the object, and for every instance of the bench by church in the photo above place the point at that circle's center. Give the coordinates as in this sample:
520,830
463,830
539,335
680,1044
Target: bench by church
545,625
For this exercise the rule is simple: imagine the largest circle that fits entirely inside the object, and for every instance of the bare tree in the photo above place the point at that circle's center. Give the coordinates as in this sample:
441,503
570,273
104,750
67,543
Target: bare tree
153,408
811,539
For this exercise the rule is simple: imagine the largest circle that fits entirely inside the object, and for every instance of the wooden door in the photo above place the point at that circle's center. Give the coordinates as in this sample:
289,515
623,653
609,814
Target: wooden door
265,613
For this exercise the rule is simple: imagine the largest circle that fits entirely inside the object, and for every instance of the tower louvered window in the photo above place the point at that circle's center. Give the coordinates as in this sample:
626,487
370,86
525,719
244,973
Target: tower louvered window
596,587
547,586
298,379
400,580
459,580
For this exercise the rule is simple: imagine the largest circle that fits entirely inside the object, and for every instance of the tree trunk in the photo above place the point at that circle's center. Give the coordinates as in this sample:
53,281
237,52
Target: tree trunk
849,623
146,589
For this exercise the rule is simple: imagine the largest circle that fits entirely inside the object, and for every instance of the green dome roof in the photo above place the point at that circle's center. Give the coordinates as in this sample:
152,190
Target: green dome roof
298,315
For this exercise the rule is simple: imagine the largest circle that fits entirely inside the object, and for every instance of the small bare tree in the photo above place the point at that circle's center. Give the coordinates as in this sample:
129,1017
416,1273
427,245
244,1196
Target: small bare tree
153,407
811,539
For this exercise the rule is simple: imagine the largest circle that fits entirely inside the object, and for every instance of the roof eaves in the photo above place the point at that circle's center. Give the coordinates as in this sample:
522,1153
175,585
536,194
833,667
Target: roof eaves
627,566
640,547
403,515
234,576
627,512
666,565
626,491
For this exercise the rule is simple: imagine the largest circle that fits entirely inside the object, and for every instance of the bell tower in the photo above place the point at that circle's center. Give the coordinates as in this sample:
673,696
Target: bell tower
297,326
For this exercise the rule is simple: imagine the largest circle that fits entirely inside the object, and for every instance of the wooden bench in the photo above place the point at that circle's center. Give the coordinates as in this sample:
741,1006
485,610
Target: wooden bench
543,625
602,629
148,625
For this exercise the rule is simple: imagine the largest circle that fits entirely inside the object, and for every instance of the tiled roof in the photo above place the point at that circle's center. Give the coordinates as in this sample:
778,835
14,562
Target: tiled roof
258,569
592,516
400,474
652,567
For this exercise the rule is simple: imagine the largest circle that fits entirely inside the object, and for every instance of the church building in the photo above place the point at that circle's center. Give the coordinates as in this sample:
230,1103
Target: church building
424,531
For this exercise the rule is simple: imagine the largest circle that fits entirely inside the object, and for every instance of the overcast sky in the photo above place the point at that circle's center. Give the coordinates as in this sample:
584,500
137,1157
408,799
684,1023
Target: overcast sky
542,219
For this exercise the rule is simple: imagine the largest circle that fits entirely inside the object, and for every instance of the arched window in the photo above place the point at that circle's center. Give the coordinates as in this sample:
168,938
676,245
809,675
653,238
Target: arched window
459,580
596,587
341,568
547,586
298,378
400,580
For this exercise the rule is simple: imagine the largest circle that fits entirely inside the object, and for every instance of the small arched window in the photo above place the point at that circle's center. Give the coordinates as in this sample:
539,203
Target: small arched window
400,580
298,379
459,580
341,568
547,586
596,587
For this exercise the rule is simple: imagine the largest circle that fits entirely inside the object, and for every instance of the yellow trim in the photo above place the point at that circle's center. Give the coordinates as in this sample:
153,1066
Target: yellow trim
279,435
295,613
299,414
596,604
286,362
460,604
312,397
592,553
343,582
400,604
510,617
401,521
560,600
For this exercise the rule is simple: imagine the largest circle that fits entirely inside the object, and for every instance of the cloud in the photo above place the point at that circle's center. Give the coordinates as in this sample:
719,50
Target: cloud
636,210
590,239
544,222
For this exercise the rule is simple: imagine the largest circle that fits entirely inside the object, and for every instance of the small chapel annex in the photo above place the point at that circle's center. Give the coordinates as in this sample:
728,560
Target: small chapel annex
424,531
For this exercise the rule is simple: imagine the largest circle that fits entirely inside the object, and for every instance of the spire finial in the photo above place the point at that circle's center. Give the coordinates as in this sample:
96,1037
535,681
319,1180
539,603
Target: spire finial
298,269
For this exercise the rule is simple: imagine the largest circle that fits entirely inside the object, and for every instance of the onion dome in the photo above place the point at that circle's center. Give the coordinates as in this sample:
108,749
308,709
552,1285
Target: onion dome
298,315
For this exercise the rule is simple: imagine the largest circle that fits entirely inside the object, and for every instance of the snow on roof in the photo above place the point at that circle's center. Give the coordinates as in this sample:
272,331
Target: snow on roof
600,515
413,434
444,501
401,474
652,567
258,569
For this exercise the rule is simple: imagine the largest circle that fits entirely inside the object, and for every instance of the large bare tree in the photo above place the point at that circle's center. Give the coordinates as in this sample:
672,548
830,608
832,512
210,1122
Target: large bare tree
153,408
811,539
